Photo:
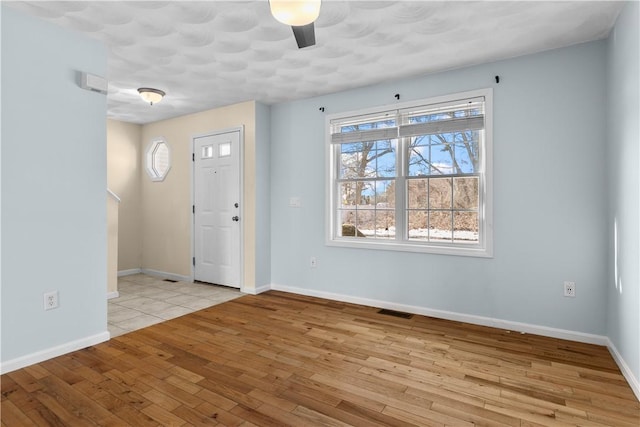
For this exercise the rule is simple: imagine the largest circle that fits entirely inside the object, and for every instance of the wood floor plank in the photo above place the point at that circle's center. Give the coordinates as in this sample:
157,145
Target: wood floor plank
315,418
28,403
82,404
239,396
162,416
133,417
163,400
413,419
100,395
355,414
163,388
273,400
25,380
278,359
306,399
326,392
476,416
193,417
307,387
128,382
60,412
215,399
220,415
13,416
184,385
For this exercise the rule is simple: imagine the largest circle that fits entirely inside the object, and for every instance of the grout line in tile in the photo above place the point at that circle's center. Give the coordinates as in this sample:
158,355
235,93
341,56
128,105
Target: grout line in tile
138,287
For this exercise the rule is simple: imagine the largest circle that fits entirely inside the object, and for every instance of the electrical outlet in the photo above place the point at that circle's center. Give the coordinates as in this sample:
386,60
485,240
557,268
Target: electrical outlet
570,289
313,262
51,300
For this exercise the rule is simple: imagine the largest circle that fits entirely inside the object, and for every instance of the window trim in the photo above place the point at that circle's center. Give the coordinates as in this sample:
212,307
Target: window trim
485,210
148,160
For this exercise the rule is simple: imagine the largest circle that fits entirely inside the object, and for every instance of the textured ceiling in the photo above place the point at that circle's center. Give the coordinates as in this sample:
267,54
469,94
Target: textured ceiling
215,53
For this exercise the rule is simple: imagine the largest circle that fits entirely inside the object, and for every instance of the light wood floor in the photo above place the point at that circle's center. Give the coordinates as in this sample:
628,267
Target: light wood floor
284,359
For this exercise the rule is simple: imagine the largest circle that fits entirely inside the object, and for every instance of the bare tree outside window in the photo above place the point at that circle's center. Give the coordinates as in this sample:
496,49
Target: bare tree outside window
449,164
369,168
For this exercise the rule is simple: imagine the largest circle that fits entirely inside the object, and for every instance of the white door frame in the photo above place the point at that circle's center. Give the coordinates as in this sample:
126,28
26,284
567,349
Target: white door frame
240,130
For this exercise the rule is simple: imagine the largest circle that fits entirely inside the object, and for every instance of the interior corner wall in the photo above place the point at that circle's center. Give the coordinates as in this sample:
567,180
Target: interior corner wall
623,153
124,165
54,197
549,208
166,205
263,196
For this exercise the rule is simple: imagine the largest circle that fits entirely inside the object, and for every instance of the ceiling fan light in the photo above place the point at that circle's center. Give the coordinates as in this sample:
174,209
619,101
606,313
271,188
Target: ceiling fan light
295,12
150,95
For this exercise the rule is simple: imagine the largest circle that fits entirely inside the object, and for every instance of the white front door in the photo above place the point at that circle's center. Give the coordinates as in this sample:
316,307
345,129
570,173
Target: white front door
217,208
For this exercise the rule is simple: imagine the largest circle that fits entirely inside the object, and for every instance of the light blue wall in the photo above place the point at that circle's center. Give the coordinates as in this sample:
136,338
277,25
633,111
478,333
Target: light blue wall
263,194
623,148
549,190
53,187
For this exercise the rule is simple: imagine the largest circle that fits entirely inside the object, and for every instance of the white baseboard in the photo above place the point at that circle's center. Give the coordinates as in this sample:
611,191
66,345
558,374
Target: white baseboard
165,275
42,355
114,294
624,368
129,272
450,315
255,291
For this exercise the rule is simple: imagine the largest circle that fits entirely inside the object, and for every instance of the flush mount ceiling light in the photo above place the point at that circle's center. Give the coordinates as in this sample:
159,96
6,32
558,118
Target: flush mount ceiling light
150,95
295,12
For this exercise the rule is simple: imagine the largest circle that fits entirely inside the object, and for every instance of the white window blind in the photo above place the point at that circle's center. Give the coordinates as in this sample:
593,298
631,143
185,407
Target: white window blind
420,120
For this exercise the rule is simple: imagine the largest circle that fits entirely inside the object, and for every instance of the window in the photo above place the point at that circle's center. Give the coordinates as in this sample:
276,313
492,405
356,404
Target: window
158,159
207,152
416,177
224,149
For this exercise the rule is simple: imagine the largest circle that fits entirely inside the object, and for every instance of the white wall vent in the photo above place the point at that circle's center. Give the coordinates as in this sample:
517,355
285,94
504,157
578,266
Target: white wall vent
93,83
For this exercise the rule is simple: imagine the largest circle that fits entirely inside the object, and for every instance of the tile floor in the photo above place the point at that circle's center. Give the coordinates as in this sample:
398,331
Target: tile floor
146,300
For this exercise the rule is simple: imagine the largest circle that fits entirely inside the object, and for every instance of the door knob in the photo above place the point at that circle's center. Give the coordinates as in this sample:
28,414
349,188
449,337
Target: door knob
235,218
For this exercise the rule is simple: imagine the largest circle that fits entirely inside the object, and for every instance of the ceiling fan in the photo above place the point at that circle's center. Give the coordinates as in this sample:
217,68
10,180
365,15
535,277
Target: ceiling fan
300,15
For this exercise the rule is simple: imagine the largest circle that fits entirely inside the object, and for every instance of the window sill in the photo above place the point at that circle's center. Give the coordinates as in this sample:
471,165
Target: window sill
437,249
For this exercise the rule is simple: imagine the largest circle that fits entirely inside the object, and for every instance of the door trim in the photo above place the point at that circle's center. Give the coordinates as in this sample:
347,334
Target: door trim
240,130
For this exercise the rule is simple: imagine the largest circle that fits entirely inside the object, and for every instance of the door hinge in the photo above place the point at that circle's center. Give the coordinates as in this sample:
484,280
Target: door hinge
194,208
193,157
194,260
